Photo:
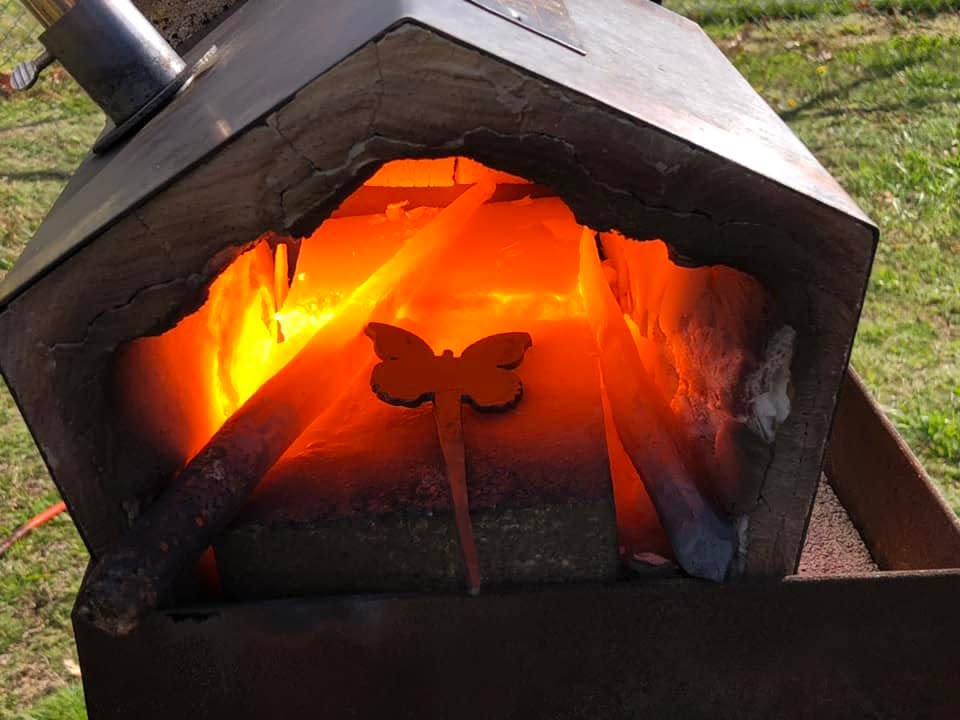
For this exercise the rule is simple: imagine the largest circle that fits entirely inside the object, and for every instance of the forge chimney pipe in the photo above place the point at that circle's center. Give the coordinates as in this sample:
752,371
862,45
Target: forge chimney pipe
114,53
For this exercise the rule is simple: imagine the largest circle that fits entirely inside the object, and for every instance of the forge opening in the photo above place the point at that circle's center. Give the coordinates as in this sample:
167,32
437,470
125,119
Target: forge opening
664,379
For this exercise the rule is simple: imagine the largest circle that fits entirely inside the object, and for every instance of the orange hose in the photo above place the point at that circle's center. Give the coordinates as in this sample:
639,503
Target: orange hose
46,516
32,524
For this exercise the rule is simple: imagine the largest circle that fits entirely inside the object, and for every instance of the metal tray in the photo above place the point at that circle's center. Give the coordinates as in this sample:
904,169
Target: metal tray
883,644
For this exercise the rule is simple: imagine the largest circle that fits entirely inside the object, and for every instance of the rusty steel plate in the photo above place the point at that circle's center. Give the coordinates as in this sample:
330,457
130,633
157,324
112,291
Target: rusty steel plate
547,18
881,646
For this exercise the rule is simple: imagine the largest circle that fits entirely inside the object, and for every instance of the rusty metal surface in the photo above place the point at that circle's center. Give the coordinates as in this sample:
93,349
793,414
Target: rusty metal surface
876,646
903,519
642,62
549,18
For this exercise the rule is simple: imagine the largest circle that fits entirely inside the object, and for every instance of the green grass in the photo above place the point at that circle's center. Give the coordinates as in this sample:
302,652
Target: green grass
741,11
18,34
64,704
44,135
877,98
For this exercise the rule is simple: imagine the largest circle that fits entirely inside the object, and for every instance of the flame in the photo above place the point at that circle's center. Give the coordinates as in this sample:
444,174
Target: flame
515,268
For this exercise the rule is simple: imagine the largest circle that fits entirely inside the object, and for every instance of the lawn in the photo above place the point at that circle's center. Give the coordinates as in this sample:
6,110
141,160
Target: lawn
877,98
44,135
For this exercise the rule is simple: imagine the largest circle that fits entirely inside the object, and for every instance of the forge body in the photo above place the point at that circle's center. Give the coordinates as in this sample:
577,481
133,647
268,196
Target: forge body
739,190
164,290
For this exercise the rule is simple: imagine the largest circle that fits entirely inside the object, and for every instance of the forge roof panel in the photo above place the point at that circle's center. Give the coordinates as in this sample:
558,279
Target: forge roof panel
640,60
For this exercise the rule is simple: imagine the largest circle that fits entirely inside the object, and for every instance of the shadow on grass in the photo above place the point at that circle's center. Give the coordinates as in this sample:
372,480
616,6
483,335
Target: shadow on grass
36,175
868,73
910,106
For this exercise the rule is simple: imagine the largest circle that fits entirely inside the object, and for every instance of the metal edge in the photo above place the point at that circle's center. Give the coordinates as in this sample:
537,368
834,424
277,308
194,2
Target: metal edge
905,522
571,43
875,232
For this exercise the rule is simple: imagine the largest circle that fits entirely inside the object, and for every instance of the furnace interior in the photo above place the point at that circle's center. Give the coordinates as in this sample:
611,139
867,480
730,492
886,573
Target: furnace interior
647,352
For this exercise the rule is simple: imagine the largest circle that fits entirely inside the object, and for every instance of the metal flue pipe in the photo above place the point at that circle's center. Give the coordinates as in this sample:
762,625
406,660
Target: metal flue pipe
114,54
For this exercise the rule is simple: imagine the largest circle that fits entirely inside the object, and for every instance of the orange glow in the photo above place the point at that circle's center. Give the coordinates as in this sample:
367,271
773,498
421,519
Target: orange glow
443,172
513,267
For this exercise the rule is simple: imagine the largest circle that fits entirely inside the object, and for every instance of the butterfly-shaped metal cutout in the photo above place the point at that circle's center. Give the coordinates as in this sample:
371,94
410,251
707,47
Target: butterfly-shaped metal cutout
411,374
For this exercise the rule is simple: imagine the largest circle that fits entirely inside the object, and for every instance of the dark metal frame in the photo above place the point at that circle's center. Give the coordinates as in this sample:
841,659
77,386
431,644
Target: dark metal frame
879,645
